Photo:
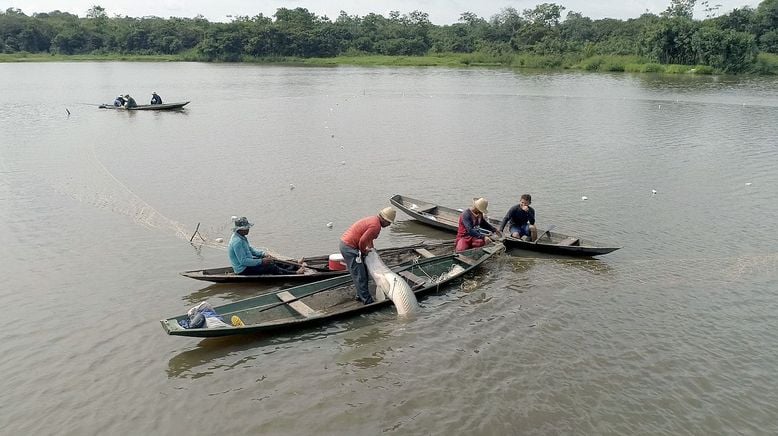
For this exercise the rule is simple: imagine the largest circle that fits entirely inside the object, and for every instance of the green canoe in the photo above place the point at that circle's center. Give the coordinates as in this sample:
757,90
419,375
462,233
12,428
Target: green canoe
326,300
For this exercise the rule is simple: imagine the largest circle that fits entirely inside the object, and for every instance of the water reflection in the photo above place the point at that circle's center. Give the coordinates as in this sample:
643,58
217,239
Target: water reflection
210,351
417,231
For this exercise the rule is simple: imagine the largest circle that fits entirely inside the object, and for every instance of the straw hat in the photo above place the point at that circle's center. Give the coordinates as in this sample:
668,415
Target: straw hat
388,213
480,205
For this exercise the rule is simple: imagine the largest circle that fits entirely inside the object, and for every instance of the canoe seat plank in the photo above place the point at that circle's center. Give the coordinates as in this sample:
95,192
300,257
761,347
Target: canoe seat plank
424,252
465,259
569,241
300,307
415,280
426,209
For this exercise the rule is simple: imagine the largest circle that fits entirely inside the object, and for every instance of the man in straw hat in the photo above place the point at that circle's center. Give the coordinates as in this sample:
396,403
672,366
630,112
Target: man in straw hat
357,241
472,223
247,260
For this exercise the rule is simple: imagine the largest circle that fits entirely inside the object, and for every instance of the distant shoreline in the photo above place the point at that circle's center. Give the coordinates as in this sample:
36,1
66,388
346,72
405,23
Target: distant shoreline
631,64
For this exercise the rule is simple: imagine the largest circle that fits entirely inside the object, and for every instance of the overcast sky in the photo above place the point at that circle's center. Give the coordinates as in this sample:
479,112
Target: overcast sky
440,11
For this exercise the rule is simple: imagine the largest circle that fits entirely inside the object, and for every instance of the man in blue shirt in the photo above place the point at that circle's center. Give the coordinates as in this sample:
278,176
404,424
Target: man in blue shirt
522,220
246,260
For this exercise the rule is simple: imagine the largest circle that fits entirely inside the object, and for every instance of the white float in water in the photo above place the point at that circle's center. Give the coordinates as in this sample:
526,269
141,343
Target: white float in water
219,240
584,198
291,186
329,225
653,192
748,183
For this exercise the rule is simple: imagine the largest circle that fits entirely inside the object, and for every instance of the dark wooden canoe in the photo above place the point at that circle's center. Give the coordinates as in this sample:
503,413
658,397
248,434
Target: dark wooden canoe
320,265
148,107
326,300
549,242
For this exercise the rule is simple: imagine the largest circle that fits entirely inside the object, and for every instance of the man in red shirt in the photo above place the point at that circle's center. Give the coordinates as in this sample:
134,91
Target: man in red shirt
357,241
472,224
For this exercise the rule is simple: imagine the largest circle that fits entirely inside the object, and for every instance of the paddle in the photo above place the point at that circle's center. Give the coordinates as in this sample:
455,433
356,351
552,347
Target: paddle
550,228
298,265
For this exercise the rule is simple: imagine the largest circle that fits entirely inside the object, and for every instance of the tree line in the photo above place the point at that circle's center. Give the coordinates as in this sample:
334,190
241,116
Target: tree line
728,42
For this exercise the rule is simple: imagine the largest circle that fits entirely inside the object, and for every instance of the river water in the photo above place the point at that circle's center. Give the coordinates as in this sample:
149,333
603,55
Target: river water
672,334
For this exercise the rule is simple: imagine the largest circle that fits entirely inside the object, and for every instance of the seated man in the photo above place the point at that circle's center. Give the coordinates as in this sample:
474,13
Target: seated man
129,101
246,260
119,102
155,98
471,223
522,220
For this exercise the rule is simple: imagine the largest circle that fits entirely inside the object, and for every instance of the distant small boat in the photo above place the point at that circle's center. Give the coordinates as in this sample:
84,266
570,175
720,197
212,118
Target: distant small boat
320,265
548,242
326,300
147,107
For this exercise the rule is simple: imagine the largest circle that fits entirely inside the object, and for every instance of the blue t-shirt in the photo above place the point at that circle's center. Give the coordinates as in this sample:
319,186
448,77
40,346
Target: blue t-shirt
242,255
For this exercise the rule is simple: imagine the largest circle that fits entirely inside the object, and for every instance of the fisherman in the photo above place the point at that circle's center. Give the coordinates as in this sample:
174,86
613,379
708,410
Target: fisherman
129,101
155,98
355,244
119,102
472,222
522,220
247,260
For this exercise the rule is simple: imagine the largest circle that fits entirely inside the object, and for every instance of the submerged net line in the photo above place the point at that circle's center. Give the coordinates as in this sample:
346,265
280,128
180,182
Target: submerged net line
146,215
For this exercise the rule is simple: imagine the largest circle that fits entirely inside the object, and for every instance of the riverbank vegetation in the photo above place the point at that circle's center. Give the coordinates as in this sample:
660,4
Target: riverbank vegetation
742,41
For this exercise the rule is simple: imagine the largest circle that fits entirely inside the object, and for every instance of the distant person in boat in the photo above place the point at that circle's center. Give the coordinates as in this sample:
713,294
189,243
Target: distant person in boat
355,244
119,102
472,223
521,218
155,98
129,101
247,260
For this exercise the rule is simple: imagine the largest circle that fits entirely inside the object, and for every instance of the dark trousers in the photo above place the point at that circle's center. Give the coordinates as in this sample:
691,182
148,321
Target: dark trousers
358,272
271,268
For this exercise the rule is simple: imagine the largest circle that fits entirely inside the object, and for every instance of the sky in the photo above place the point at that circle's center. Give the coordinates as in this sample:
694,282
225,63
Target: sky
440,11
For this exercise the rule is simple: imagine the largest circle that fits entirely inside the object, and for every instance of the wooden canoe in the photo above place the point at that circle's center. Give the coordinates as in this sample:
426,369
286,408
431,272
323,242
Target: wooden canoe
147,107
320,265
549,242
326,300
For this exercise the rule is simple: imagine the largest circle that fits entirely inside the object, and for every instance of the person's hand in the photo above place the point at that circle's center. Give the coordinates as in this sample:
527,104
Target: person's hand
488,240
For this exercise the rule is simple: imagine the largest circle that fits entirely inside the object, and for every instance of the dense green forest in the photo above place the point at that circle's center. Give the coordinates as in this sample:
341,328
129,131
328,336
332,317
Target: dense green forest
744,40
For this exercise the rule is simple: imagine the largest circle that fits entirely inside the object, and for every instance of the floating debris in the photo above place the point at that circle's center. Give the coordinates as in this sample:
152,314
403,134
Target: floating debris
343,162
653,192
748,183
219,240
329,225
584,198
291,187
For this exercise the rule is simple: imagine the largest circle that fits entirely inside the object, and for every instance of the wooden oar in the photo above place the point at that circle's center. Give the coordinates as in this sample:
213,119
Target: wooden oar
550,228
299,265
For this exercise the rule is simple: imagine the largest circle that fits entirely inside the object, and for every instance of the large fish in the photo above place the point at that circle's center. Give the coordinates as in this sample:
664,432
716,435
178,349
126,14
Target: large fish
390,285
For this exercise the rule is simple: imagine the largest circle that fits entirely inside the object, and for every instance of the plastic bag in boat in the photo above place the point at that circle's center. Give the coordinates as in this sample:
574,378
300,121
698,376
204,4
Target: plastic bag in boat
205,310
390,285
